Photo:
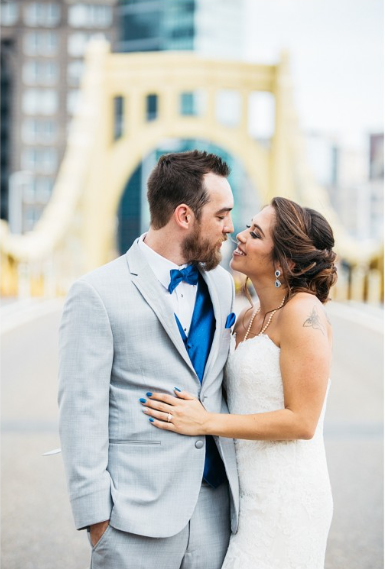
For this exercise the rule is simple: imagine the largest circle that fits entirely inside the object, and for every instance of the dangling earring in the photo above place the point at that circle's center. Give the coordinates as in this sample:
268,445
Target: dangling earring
277,282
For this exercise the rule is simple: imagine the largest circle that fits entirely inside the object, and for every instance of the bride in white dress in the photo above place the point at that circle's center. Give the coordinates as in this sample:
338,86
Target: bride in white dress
277,379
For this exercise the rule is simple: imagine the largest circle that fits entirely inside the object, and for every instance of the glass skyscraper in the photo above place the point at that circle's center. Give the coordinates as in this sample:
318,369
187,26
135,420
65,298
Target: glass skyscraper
212,28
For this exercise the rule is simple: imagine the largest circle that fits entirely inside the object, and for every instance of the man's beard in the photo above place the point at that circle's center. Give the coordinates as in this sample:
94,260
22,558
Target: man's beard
196,249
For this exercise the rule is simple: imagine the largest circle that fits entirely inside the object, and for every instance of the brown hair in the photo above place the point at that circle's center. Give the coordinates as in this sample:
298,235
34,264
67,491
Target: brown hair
178,179
303,242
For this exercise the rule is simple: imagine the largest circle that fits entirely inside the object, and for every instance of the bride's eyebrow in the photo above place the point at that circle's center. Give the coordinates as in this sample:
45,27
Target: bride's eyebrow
258,227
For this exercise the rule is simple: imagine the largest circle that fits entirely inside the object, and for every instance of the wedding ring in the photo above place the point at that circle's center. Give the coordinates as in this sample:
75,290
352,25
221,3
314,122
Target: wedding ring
169,417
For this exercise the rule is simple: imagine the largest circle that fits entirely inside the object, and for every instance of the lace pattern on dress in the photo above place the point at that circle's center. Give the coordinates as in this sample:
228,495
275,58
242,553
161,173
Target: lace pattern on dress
285,496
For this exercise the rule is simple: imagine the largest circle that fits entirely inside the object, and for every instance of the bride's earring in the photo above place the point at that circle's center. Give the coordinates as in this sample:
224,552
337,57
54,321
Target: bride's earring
277,282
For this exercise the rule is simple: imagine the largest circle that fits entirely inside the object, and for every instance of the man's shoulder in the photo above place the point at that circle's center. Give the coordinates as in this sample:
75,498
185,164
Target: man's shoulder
221,275
223,282
106,274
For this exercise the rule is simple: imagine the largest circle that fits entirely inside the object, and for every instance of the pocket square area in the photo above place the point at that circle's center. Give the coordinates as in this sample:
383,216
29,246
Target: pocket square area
230,320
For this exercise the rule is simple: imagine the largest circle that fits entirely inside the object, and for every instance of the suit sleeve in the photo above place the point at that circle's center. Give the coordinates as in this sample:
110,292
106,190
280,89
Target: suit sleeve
85,362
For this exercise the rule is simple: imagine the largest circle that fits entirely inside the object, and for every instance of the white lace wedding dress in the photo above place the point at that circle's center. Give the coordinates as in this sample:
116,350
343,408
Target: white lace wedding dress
285,496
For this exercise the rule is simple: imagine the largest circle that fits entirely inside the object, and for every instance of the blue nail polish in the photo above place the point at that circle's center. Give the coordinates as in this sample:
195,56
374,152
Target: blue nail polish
151,420
142,400
176,389
148,393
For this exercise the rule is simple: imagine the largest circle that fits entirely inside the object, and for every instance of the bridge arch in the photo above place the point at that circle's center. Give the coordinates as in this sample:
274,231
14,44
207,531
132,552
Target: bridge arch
78,227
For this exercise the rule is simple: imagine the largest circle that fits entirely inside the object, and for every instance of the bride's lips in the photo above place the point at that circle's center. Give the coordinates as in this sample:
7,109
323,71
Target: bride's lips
238,252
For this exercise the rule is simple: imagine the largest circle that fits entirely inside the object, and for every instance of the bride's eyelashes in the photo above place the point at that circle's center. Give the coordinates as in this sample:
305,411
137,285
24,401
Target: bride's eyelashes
253,234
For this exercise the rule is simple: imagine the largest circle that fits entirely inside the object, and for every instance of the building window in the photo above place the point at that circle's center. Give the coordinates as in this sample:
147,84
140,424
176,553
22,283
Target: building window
187,104
40,43
9,14
40,160
118,117
74,72
131,2
42,131
73,102
40,72
40,101
193,103
42,14
228,107
90,16
77,42
182,33
43,189
29,159
32,215
151,107
261,112
29,196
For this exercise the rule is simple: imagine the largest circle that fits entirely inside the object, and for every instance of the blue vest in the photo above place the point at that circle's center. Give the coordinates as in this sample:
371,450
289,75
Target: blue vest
198,345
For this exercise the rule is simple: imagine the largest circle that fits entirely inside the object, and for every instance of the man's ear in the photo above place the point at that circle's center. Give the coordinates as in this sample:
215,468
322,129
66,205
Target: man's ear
184,216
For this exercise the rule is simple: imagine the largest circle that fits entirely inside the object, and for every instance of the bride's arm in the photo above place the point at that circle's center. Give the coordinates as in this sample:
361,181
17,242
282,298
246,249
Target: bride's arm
304,362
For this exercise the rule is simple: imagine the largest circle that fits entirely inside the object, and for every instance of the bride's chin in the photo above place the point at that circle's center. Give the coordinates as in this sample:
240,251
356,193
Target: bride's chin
234,263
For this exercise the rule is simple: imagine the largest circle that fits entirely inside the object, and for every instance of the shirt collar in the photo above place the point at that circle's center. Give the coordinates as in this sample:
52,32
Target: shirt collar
160,266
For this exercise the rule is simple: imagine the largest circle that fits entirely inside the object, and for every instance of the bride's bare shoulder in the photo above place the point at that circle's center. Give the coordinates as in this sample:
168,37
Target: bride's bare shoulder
303,311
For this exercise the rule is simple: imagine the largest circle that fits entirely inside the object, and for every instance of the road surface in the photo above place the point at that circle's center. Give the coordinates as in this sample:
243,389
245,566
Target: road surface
37,525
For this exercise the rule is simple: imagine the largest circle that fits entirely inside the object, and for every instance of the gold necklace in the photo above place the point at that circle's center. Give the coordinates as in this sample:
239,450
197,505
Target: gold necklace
257,311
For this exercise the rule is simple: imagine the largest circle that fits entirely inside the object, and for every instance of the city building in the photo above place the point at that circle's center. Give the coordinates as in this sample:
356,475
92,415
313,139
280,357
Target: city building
354,178
42,50
213,28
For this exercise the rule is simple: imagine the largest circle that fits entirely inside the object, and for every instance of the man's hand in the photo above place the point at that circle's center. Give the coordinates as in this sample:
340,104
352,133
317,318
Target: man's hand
97,530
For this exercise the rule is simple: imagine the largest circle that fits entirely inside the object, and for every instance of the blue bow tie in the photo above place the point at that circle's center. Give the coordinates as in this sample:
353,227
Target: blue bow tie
188,275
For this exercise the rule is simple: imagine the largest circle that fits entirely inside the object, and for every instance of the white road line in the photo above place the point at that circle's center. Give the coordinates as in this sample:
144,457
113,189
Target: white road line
27,311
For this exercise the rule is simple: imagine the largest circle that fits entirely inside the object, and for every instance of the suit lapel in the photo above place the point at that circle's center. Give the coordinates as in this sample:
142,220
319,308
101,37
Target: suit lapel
151,290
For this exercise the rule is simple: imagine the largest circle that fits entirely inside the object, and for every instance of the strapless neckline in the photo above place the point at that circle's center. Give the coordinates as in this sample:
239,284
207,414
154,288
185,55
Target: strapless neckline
244,342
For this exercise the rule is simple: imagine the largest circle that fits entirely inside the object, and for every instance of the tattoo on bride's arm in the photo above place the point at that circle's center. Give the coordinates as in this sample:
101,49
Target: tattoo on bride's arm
314,321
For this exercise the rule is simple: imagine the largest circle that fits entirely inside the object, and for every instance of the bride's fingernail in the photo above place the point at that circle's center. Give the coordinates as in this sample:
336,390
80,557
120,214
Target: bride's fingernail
176,389
151,419
148,393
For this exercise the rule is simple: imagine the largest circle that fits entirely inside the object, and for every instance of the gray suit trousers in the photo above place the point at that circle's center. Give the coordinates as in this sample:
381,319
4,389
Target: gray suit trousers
202,544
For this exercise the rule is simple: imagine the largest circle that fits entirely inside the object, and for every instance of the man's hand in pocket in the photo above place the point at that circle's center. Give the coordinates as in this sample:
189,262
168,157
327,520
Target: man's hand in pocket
97,530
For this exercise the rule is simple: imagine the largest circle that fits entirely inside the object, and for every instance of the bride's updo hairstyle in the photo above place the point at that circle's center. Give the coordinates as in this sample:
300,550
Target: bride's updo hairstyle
303,242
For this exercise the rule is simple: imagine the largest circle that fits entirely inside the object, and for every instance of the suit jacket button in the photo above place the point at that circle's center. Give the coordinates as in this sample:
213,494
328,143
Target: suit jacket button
199,444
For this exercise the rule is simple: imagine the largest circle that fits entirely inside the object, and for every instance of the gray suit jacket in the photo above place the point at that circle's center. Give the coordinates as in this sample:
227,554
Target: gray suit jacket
118,340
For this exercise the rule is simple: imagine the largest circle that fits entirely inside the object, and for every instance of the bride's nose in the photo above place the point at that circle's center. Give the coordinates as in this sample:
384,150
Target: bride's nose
241,237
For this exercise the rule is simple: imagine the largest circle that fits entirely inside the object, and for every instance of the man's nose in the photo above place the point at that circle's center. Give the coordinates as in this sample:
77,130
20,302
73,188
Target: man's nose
229,227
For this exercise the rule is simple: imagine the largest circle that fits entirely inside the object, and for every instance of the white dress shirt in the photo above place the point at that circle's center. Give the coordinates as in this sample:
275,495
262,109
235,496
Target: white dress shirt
182,299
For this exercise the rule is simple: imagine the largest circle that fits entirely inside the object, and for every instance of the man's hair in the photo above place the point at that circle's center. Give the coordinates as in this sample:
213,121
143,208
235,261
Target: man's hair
178,179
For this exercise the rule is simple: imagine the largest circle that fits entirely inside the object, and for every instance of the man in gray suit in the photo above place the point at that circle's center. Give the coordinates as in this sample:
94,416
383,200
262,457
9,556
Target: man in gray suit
157,318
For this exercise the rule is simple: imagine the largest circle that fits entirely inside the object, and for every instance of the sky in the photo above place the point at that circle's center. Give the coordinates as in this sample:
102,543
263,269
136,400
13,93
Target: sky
336,61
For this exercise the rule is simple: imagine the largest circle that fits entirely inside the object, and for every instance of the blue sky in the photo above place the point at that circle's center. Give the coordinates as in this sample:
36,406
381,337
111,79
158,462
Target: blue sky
336,59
